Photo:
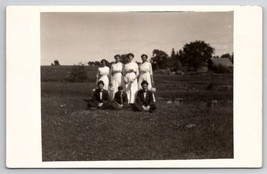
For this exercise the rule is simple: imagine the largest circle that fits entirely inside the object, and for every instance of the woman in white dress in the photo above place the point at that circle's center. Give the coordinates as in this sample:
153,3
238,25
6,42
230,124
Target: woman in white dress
116,78
146,73
103,74
131,72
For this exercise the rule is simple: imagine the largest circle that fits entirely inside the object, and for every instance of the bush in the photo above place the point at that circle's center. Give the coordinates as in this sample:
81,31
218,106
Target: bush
78,74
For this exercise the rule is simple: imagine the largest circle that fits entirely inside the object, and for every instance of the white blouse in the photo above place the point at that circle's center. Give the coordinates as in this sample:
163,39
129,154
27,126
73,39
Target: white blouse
146,67
132,66
117,67
103,70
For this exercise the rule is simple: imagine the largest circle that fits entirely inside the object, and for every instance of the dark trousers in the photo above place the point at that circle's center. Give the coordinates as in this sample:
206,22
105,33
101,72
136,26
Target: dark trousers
115,105
94,105
138,107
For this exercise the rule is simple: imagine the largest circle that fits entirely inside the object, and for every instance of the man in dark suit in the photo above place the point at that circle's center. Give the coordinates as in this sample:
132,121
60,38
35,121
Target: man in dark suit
144,99
120,100
100,98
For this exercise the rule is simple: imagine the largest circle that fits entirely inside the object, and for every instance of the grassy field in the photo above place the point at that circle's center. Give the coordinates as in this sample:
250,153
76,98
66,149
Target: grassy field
188,130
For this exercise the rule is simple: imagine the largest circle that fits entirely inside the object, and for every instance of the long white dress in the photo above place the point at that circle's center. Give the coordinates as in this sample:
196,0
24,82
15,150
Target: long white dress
146,71
131,72
104,72
116,78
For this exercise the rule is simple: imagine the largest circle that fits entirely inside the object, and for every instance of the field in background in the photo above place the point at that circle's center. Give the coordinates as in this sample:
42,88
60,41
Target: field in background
200,127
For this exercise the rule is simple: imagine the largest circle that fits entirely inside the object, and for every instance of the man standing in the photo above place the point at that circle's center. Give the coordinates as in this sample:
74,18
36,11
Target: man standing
100,98
144,99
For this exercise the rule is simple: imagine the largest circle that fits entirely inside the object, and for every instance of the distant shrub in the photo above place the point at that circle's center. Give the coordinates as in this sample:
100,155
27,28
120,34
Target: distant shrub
56,63
78,74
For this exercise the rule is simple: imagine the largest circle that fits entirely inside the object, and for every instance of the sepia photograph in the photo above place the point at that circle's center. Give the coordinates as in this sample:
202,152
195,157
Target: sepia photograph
136,85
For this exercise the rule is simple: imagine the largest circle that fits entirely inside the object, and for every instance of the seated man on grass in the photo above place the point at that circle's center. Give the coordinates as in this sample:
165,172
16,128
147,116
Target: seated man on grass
120,100
100,98
144,99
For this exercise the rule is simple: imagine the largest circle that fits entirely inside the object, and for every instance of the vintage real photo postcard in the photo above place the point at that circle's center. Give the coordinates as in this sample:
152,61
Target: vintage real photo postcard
134,87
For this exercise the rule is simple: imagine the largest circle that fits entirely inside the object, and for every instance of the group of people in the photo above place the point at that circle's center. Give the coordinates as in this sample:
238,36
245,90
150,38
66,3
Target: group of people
124,85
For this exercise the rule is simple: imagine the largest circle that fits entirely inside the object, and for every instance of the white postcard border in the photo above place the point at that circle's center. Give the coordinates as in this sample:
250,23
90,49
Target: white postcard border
23,98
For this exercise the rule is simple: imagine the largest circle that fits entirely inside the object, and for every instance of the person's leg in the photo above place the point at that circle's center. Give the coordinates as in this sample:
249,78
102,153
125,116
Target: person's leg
115,105
125,105
105,105
137,107
152,107
92,104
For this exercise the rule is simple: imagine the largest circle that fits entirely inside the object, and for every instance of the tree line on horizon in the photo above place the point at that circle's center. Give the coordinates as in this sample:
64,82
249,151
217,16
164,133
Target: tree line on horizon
193,55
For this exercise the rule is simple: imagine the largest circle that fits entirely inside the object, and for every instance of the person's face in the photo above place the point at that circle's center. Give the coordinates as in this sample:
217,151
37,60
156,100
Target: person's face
100,86
117,59
131,58
144,86
144,58
103,63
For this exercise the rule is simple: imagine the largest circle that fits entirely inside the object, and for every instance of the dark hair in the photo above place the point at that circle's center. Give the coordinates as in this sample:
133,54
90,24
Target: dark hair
104,60
130,54
144,55
120,88
117,55
144,82
100,82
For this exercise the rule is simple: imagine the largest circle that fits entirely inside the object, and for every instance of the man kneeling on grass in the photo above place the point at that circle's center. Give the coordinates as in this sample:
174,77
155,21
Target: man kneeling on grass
100,98
120,100
144,99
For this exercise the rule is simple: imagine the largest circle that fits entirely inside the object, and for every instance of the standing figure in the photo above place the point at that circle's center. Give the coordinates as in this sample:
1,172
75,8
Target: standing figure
120,100
103,74
144,99
131,72
116,78
100,98
146,72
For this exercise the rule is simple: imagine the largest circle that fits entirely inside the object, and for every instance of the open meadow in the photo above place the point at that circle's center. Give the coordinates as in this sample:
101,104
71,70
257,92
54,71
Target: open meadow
199,127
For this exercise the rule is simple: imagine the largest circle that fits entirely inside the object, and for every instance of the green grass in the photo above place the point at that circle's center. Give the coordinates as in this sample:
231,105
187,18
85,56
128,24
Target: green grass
190,130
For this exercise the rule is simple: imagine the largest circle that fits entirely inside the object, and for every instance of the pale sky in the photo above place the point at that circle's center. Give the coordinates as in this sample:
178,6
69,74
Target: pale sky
81,37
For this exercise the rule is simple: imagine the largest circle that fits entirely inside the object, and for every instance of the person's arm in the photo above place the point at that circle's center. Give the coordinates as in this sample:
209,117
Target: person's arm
137,71
111,70
97,76
109,75
105,98
124,73
151,99
125,100
151,75
108,72
138,98
123,70
115,99
94,98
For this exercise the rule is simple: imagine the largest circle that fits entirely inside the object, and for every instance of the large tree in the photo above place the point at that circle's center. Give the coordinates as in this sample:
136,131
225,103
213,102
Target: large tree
159,59
175,61
196,54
